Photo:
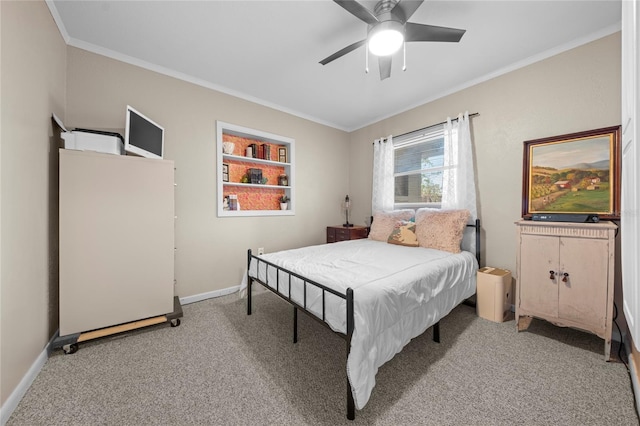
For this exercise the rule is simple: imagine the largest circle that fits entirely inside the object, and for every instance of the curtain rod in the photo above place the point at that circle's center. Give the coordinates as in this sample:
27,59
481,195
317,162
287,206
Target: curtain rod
437,124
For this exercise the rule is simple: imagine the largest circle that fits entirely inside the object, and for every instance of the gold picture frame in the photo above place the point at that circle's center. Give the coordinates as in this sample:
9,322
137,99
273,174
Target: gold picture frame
577,173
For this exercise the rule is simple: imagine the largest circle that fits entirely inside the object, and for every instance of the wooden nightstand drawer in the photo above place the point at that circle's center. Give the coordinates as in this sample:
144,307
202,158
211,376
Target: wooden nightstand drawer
340,233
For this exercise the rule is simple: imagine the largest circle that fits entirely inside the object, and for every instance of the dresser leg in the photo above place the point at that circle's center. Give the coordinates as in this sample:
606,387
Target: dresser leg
607,349
523,323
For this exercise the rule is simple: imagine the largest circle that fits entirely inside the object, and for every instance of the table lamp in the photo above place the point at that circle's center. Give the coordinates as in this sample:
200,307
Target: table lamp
346,206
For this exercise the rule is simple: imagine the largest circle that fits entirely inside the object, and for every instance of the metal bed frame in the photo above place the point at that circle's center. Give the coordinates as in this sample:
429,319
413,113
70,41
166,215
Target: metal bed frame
348,297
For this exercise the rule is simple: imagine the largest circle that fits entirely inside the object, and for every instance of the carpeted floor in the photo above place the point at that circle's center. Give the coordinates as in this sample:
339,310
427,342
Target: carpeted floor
222,367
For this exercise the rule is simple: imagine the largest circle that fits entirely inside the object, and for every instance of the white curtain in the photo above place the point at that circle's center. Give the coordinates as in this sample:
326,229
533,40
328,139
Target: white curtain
383,185
458,180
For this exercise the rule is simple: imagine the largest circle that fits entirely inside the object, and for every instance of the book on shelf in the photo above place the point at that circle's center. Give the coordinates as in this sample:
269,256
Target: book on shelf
254,150
265,151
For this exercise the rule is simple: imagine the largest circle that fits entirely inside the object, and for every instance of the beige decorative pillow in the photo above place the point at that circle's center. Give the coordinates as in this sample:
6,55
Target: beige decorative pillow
441,229
403,234
384,222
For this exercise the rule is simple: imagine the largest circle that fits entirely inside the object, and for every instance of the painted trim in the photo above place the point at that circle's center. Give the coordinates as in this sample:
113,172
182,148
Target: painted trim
58,20
18,393
200,82
209,295
632,354
509,68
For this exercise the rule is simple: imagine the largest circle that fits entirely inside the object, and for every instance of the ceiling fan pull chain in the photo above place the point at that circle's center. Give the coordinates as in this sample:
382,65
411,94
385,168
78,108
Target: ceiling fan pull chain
404,56
366,58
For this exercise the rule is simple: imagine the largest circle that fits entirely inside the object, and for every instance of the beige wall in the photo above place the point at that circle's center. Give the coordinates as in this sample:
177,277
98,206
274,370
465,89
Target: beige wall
573,91
33,87
211,251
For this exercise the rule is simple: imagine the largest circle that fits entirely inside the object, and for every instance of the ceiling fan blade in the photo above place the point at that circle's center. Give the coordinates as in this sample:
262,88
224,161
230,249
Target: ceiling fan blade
421,32
358,10
405,8
343,52
385,66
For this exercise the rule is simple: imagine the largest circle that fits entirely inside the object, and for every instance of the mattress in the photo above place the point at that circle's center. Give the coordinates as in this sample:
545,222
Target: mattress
399,292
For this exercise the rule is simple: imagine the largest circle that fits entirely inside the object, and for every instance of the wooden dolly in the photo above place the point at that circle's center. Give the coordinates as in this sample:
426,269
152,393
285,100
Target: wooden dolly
69,343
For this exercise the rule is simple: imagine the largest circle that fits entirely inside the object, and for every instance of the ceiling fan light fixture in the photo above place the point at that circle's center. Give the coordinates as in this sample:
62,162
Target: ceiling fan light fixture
386,38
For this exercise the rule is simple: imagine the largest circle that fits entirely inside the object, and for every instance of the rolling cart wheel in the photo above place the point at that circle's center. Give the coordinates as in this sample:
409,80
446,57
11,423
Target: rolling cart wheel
70,349
175,322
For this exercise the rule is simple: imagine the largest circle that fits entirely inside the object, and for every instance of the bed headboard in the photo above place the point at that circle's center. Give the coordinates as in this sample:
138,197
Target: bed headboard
476,236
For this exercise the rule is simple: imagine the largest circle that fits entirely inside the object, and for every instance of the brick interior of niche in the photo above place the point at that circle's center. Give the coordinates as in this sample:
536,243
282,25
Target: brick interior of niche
255,198
251,198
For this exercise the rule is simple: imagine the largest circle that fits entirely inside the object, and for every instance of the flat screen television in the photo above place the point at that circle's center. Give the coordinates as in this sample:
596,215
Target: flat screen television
142,136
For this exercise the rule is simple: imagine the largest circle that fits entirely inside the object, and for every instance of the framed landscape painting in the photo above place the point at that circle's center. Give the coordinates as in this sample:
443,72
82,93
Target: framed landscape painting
574,173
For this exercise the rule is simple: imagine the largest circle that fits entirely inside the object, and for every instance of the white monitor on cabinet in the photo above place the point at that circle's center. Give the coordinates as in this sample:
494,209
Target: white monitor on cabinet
143,136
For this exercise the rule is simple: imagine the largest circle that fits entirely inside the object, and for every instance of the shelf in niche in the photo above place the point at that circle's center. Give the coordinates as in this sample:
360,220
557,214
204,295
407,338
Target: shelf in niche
253,160
255,185
257,213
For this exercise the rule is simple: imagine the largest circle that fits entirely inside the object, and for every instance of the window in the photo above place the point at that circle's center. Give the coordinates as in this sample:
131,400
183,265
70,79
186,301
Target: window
418,164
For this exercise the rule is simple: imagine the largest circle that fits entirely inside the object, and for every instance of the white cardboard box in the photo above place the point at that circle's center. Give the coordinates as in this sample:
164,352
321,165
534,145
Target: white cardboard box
86,141
493,297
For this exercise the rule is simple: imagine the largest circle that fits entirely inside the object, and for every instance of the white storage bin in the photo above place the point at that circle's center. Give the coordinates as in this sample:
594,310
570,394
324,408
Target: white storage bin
494,295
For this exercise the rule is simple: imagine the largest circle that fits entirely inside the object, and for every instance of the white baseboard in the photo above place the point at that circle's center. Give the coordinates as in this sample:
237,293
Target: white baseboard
16,396
208,295
633,372
634,382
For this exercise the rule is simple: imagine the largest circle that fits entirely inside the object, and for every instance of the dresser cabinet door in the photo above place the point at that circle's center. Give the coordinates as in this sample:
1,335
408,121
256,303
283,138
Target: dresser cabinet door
583,296
538,292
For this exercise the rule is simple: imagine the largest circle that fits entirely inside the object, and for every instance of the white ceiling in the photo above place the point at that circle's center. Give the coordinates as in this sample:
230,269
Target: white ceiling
268,51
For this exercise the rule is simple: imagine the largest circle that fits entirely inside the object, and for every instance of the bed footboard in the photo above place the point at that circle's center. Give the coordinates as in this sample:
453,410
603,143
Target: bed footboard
348,297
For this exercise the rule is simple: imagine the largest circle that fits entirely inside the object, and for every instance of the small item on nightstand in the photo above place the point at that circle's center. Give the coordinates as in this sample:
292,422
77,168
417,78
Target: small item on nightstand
346,206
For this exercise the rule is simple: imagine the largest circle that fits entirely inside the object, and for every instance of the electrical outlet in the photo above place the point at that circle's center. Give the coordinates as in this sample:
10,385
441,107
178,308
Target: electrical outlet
260,250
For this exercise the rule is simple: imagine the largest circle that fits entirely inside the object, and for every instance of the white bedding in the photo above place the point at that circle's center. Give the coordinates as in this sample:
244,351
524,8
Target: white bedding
399,292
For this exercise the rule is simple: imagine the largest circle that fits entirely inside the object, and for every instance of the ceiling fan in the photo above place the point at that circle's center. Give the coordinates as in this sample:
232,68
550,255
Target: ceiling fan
388,30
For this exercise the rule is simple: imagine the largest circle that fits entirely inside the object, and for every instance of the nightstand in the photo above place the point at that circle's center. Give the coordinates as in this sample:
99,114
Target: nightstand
342,233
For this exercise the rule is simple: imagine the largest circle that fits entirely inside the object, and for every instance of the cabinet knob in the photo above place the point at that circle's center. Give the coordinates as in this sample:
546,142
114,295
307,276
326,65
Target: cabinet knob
552,275
564,280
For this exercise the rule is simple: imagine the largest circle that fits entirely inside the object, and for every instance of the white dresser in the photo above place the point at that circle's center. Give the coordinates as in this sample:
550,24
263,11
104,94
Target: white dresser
565,275
116,239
